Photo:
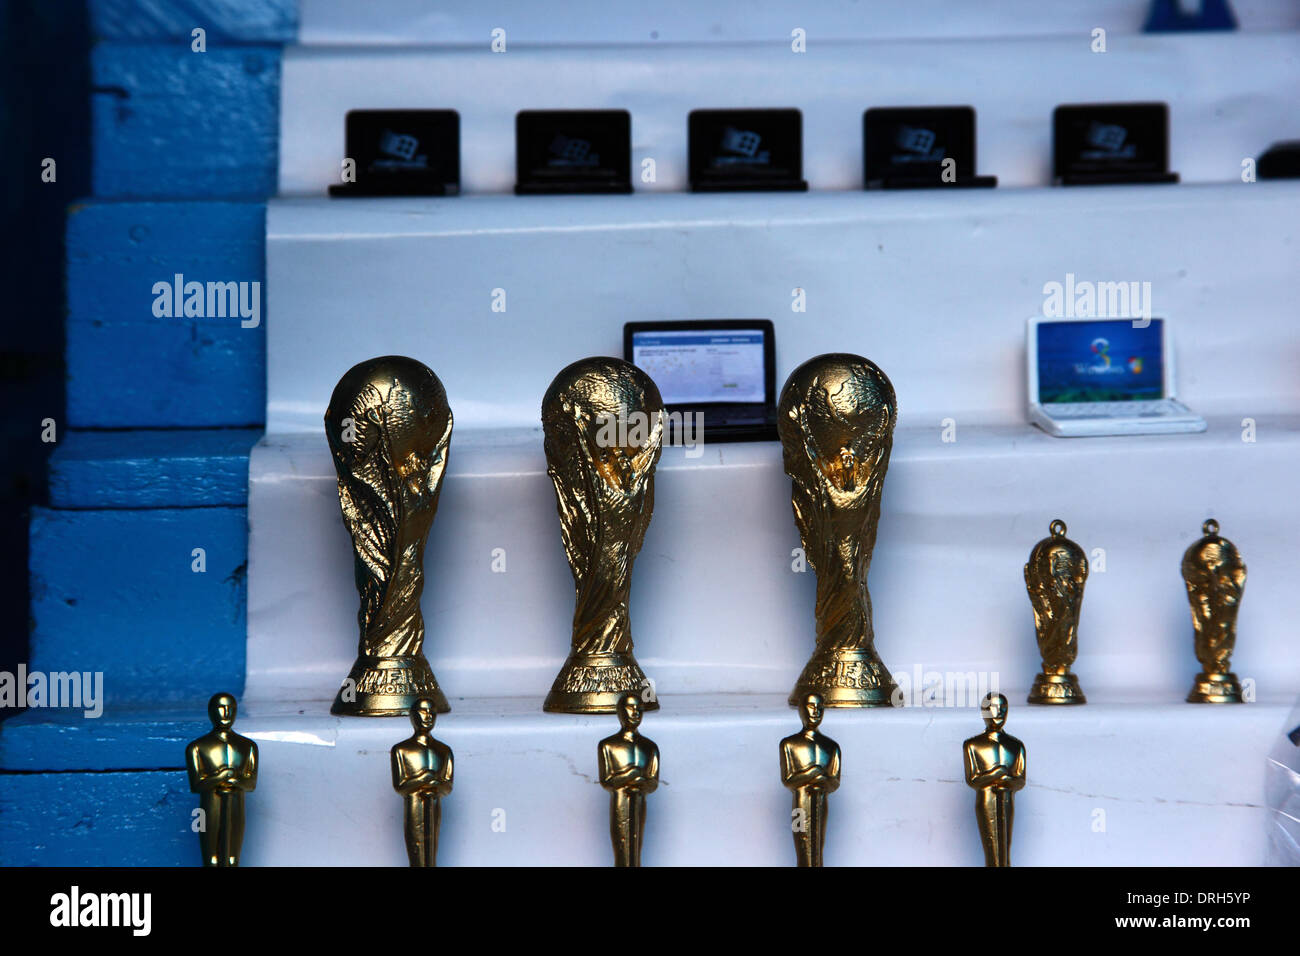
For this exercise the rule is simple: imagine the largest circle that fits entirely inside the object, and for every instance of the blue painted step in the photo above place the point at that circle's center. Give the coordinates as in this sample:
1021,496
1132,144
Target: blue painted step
152,469
114,592
128,368
245,21
98,819
63,740
167,122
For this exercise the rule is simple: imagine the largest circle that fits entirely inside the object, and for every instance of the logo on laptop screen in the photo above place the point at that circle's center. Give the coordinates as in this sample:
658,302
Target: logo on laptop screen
1108,142
571,151
918,145
399,145
914,140
744,144
1101,363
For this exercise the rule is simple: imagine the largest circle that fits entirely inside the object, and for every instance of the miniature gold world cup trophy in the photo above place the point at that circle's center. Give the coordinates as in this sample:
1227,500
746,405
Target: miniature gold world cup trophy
629,770
995,770
1215,577
422,774
810,770
389,427
836,421
222,768
603,422
1054,576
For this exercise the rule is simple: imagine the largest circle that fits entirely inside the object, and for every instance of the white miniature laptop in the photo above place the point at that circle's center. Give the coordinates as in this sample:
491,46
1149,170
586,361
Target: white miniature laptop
1104,377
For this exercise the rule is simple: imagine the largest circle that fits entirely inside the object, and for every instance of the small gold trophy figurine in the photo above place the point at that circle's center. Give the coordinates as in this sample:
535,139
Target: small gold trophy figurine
603,422
1216,577
836,421
629,770
422,774
1055,576
222,767
810,770
995,769
389,427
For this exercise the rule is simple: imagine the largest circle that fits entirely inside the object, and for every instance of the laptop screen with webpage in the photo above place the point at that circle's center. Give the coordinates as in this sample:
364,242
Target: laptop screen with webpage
1104,360
703,366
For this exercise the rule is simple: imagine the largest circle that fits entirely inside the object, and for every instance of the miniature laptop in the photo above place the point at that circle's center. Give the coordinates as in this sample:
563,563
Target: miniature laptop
1097,144
746,150
920,147
1104,377
724,369
402,153
573,151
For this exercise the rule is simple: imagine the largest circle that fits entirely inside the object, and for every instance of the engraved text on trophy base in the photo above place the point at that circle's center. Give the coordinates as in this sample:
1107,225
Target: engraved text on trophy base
849,678
1215,689
387,687
595,684
1057,689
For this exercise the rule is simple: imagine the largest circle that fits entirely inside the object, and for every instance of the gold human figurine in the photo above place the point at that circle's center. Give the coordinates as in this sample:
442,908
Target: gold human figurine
836,421
422,774
389,427
603,422
222,768
810,770
629,770
1055,576
1216,577
995,769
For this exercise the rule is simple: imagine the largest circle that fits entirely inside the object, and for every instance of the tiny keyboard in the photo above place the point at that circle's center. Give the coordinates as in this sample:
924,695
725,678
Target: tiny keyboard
1157,409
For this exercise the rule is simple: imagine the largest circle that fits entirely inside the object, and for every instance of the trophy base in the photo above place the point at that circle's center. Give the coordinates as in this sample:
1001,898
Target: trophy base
1215,689
387,687
595,683
1057,689
849,677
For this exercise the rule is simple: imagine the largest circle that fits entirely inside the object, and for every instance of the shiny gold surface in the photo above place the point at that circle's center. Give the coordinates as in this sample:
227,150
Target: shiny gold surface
422,774
629,770
995,769
1215,577
604,491
1055,576
810,770
222,768
836,421
395,412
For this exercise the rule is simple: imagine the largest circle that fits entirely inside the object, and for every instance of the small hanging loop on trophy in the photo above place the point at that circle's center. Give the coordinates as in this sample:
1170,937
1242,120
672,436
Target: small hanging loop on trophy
1054,578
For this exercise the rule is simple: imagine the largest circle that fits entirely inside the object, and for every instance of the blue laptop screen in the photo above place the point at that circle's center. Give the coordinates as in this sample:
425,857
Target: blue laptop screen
1103,361
697,366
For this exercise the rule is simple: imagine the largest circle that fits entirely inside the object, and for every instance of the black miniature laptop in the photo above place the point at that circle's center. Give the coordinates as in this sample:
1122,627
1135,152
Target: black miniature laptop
402,153
920,147
746,150
573,151
723,369
1097,144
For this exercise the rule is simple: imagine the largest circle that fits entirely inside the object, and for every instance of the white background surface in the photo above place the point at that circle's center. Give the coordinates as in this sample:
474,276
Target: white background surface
934,287
470,22
716,607
1227,100
1177,784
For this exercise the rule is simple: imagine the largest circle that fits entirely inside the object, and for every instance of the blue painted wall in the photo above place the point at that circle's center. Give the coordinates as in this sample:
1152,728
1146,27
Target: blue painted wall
128,368
152,457
97,819
169,122
114,591
152,469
